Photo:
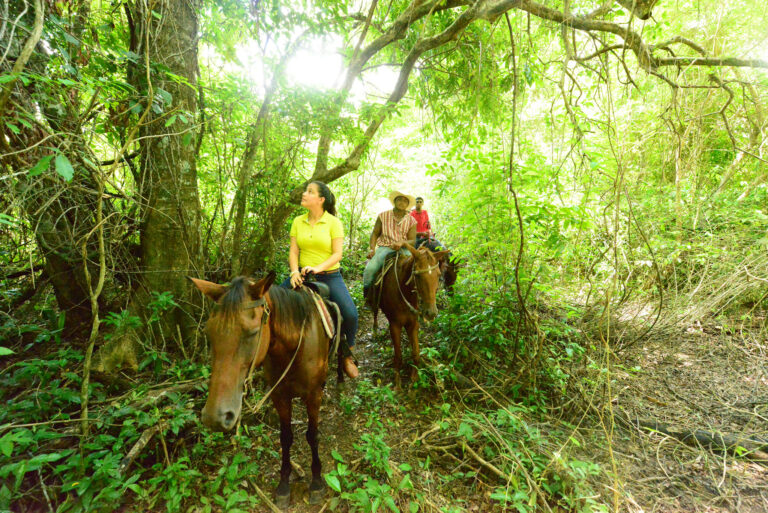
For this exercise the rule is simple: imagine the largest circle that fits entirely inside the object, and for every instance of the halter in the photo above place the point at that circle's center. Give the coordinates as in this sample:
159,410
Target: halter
260,330
414,272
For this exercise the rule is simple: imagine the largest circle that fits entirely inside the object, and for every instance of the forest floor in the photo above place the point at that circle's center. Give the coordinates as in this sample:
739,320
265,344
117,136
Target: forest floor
705,378
708,378
350,417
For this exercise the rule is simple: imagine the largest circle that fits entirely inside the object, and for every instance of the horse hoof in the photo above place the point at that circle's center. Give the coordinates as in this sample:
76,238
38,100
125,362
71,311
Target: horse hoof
316,496
282,501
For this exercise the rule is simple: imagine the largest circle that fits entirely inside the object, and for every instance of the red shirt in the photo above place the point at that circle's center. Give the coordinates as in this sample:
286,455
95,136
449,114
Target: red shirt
422,221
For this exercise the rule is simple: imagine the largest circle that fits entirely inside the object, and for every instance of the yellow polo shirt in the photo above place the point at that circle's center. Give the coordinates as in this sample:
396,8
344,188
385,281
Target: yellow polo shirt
315,246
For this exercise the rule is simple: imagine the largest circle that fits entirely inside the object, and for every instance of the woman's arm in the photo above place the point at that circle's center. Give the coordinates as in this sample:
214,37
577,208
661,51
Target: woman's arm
293,263
337,248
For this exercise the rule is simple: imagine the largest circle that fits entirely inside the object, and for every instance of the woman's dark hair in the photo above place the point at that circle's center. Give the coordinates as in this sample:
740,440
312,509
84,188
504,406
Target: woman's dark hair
329,205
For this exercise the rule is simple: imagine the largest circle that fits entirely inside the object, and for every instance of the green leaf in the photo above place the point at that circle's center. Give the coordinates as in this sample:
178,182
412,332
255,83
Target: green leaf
336,456
41,165
165,95
71,39
171,120
64,167
9,220
13,127
186,139
465,430
8,78
6,445
333,482
4,351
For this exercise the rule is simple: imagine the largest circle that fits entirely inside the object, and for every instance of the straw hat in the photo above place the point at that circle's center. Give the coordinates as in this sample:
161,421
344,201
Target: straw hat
395,194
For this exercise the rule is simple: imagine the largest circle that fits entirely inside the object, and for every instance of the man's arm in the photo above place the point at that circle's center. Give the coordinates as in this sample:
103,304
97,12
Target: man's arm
411,239
375,234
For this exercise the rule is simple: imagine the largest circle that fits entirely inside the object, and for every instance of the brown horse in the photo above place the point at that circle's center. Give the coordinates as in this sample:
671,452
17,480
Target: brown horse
408,291
450,271
254,323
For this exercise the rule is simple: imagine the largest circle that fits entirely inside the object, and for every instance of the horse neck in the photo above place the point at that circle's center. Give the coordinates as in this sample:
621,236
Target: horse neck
405,269
280,326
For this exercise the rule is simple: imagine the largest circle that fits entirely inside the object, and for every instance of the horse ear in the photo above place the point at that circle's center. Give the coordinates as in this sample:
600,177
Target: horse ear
210,289
260,287
410,248
440,255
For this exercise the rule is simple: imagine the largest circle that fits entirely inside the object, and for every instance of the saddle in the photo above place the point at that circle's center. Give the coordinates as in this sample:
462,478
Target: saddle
328,310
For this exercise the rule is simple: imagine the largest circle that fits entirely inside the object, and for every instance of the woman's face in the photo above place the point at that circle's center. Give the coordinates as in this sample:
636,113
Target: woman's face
311,197
401,202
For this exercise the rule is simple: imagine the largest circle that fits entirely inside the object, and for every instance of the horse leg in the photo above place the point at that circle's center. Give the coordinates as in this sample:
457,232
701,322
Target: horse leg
283,407
413,334
395,332
316,487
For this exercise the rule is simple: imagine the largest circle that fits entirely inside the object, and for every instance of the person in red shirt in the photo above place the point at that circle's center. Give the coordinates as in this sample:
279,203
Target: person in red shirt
423,228
424,233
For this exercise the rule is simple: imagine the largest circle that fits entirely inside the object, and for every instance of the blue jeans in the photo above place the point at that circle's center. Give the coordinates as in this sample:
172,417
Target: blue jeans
377,262
339,294
432,243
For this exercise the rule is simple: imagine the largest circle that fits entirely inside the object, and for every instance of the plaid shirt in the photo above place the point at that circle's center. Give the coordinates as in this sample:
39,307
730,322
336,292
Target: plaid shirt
392,230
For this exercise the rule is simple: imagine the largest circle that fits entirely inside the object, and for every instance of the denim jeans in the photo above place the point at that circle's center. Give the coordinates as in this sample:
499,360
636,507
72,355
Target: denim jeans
377,262
432,244
339,294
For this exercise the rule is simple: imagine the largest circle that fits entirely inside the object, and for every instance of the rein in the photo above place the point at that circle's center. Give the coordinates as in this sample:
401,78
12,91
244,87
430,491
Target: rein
249,378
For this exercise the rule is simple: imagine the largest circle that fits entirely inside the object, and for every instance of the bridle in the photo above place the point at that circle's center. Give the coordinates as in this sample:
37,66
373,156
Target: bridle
262,302
414,273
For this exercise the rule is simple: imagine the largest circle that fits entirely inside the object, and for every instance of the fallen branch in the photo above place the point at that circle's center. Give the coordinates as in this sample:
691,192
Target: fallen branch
263,496
750,448
142,442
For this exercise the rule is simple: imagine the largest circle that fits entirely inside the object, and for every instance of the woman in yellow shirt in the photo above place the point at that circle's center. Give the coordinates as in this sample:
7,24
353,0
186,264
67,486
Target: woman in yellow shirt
317,242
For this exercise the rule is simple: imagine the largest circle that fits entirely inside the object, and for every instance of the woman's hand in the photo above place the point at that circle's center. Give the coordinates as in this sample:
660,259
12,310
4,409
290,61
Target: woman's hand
296,280
308,269
370,254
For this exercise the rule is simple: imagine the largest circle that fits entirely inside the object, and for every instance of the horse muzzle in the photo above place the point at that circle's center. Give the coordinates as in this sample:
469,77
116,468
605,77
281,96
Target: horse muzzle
221,417
429,312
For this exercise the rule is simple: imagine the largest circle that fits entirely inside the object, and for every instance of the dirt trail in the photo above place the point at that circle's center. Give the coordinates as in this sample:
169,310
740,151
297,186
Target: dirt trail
346,413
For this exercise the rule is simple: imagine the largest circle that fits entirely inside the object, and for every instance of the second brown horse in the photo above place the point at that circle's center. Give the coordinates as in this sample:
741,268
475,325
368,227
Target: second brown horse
408,291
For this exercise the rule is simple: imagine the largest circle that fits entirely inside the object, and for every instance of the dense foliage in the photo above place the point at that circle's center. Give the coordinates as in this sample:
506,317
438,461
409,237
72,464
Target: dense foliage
600,173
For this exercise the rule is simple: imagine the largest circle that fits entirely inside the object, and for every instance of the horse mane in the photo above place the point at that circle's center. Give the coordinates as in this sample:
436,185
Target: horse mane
290,309
233,298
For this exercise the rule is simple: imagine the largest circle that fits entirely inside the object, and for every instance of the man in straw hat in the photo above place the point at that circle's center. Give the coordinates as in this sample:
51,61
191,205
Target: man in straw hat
392,229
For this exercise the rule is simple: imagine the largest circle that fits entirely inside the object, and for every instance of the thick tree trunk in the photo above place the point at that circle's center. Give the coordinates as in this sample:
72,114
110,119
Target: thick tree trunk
170,230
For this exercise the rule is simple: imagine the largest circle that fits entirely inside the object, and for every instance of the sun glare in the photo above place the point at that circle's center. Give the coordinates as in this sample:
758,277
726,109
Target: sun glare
319,67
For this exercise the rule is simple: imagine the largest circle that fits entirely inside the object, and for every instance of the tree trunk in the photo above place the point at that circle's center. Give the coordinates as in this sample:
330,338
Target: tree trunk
170,229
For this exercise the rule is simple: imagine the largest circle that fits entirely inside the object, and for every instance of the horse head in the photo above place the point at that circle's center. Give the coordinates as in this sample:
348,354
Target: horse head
450,269
239,333
426,275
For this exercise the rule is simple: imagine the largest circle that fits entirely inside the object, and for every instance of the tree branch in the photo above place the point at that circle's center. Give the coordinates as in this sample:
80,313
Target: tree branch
26,53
